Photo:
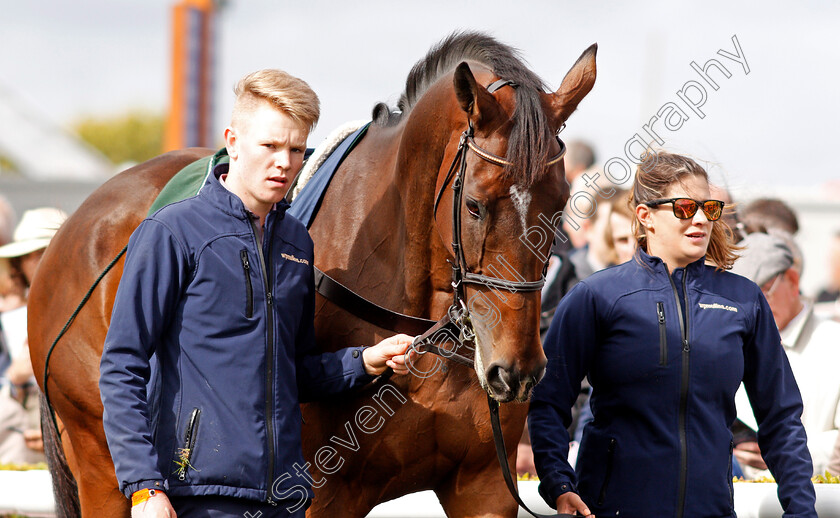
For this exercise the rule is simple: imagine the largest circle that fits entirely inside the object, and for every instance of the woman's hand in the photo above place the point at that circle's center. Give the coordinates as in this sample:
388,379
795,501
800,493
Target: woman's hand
390,352
570,503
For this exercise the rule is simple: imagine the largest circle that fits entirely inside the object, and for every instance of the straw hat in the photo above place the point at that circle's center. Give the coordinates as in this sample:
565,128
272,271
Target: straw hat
34,232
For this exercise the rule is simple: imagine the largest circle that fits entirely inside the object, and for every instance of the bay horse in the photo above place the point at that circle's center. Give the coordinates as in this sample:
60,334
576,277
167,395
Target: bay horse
385,230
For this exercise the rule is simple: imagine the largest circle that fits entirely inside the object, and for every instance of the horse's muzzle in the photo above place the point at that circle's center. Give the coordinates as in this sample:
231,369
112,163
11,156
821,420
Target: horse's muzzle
508,382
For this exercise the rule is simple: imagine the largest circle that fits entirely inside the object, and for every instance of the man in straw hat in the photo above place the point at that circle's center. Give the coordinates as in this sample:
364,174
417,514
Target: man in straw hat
20,435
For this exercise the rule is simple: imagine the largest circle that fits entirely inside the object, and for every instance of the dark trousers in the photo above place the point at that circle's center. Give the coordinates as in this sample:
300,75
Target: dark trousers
227,507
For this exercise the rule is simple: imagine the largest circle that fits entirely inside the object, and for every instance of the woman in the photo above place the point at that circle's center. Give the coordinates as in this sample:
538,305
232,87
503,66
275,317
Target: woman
665,340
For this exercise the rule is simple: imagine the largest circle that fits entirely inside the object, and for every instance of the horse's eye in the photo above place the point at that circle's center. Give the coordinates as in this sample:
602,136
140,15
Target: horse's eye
474,208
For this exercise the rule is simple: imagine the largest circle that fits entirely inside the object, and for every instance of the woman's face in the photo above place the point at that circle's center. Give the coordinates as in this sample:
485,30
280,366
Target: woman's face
29,263
678,242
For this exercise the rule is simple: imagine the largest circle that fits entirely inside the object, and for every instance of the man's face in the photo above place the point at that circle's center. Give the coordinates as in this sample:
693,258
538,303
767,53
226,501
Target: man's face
266,151
782,294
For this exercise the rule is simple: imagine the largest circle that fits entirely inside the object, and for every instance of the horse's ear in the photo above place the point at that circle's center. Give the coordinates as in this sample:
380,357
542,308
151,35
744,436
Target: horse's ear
479,104
578,82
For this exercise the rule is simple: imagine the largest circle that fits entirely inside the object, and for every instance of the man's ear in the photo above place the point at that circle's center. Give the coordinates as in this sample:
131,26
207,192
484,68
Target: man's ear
793,276
230,143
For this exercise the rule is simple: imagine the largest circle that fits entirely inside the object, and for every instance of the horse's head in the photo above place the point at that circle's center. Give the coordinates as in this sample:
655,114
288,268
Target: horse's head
512,191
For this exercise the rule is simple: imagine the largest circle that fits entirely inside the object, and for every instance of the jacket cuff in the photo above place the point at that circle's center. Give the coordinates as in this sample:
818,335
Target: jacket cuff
550,490
360,373
130,488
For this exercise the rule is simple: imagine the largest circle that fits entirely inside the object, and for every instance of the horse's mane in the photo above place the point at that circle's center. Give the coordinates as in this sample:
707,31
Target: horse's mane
530,138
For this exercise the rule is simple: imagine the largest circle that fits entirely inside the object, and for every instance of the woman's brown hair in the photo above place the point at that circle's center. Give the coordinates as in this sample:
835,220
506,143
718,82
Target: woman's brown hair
653,178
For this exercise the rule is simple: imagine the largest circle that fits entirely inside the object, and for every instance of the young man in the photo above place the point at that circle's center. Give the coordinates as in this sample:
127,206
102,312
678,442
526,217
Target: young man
211,342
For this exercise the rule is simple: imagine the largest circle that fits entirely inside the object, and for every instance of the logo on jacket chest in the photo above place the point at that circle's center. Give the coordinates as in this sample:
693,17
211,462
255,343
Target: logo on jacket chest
290,257
718,306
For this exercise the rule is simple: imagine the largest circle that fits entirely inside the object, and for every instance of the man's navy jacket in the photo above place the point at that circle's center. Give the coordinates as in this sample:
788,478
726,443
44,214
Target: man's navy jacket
209,351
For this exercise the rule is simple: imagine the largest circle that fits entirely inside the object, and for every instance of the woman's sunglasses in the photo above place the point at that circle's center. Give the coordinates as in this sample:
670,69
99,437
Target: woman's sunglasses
686,208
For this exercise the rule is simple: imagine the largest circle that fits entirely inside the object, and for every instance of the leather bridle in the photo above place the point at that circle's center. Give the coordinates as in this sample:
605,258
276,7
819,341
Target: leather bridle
458,314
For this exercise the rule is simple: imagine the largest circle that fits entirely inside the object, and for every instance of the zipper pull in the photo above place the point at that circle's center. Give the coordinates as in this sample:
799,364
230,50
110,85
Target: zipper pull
686,347
661,312
271,501
269,298
245,262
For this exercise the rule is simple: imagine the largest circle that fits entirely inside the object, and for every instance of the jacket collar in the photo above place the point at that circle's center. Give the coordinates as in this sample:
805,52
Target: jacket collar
223,199
657,264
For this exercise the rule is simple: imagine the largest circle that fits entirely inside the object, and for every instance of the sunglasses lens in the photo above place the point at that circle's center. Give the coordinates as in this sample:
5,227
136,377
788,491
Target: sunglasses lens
713,209
685,208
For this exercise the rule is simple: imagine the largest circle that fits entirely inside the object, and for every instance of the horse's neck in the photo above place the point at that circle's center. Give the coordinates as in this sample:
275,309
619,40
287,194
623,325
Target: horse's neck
375,230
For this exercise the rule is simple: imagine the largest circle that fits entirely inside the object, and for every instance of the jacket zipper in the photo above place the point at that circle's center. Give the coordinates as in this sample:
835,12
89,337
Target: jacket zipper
731,488
686,349
663,336
269,367
610,457
189,442
249,290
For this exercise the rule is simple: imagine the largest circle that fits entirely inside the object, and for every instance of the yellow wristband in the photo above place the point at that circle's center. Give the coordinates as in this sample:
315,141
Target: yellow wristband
138,497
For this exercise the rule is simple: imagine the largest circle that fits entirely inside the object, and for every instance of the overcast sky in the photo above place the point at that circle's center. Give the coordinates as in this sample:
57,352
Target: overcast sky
776,125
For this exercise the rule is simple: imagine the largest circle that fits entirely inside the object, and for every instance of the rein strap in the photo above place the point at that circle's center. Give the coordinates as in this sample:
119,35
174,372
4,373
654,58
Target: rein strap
352,302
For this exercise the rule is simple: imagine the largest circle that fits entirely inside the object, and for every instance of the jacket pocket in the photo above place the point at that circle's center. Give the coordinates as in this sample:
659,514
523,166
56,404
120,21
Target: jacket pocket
184,454
249,289
608,473
663,336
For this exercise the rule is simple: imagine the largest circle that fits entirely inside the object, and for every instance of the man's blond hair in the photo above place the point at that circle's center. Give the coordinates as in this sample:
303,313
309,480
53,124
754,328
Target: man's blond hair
285,92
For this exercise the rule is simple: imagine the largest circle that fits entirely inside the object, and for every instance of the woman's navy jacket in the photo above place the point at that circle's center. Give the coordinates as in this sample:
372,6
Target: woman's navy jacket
665,355
210,349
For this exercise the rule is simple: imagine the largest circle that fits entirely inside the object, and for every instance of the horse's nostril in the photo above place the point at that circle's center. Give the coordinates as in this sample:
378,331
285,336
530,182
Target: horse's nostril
503,380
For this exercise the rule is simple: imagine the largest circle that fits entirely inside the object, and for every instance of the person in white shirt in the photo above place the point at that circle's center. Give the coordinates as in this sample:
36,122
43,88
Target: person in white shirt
810,340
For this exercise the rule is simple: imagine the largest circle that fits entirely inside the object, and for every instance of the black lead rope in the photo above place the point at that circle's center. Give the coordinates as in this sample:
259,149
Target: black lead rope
64,330
501,452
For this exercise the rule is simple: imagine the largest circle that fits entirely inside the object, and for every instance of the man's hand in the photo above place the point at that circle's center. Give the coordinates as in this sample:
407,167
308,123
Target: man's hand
569,503
157,506
387,353
749,454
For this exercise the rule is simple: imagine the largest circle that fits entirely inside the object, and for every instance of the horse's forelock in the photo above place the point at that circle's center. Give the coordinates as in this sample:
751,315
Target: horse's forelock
530,139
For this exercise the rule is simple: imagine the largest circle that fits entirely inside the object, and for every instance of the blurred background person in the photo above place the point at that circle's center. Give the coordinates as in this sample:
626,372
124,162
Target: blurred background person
810,341
595,253
578,158
20,434
763,214
619,229
828,299
11,294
